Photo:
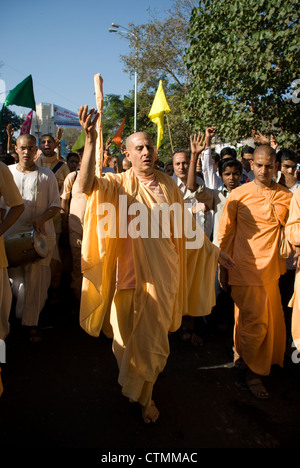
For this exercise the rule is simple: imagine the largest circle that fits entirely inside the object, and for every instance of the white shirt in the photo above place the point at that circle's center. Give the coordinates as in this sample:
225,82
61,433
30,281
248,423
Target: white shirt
211,178
205,219
39,192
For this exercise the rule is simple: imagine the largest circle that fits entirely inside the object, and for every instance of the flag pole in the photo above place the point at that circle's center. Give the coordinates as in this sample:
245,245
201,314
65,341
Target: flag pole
169,133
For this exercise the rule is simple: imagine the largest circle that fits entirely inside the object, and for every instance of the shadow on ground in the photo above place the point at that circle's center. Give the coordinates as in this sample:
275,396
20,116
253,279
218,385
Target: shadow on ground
63,393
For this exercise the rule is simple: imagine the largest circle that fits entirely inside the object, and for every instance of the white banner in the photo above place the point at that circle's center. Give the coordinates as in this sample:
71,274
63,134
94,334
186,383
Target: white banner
65,118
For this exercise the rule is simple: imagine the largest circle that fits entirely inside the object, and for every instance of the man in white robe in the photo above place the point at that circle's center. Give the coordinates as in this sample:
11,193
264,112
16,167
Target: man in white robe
38,189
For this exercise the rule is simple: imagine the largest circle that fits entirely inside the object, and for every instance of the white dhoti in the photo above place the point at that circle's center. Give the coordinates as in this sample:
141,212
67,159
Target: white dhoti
5,303
30,284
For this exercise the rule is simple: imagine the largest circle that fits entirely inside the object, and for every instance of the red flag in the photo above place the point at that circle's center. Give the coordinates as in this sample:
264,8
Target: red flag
25,129
118,134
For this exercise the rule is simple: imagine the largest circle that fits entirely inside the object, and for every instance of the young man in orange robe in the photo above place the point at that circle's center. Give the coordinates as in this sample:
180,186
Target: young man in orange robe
249,231
292,231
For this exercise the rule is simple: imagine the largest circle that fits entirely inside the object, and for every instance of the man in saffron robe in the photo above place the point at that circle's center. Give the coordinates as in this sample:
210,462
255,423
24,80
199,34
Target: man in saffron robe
292,231
249,230
138,287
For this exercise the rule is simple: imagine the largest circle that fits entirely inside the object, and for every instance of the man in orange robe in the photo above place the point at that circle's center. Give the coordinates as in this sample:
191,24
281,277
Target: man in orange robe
249,230
124,290
292,231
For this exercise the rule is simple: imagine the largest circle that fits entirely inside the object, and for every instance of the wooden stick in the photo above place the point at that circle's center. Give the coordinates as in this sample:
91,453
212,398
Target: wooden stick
98,83
169,133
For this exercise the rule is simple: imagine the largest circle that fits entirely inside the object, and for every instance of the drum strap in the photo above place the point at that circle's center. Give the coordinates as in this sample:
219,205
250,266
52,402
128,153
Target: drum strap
58,165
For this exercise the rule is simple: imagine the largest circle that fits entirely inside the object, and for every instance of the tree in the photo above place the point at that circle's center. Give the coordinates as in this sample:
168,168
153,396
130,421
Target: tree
114,110
158,47
243,58
157,54
8,117
70,135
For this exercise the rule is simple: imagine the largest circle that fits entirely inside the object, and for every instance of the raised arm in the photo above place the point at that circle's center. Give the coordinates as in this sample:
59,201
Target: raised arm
197,146
58,141
10,132
261,139
211,178
88,120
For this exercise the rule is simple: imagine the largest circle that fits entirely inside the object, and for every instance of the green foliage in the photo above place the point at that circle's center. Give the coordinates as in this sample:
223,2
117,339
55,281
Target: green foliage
157,54
8,117
115,109
243,58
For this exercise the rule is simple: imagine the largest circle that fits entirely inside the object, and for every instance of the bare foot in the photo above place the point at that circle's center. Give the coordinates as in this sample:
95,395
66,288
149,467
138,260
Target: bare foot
197,340
150,413
256,386
185,334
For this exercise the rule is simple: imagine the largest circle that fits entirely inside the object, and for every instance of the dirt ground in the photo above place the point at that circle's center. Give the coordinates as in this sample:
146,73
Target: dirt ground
63,393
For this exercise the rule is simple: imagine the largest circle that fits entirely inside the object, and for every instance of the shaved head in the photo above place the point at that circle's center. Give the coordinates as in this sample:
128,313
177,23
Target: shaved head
141,153
134,135
27,137
265,150
264,165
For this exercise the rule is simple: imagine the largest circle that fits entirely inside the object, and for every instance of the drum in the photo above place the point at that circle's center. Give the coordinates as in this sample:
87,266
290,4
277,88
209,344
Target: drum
26,247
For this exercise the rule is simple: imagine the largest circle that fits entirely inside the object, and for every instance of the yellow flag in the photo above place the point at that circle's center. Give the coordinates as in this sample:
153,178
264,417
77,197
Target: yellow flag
156,114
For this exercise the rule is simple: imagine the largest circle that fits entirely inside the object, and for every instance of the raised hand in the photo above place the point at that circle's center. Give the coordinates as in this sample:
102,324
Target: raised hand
9,130
273,142
259,138
108,143
59,133
209,134
88,120
197,143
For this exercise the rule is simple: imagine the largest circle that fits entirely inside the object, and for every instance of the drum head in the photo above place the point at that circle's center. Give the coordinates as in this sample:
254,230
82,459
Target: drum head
19,249
40,244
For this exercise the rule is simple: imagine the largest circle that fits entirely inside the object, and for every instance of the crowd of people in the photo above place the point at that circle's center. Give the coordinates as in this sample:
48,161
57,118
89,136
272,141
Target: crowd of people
247,209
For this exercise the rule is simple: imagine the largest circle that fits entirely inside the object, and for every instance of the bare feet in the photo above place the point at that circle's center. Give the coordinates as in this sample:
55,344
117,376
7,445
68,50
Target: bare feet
150,413
256,386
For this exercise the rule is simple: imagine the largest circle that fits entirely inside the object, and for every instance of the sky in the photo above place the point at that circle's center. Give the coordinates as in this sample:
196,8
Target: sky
63,44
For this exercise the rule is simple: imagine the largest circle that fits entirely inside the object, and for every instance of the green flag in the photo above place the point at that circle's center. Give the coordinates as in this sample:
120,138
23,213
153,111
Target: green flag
79,143
22,95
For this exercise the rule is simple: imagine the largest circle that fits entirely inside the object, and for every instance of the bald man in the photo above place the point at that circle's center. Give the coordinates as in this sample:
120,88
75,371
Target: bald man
249,230
38,189
137,285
